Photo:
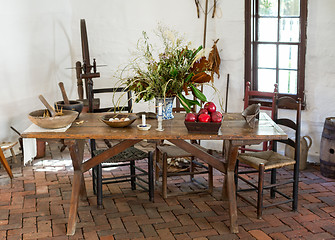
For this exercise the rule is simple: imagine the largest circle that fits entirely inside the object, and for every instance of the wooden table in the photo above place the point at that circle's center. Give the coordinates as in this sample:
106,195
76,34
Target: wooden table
234,130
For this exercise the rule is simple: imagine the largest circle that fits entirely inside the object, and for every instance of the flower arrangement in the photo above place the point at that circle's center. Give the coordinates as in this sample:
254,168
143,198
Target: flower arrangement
176,70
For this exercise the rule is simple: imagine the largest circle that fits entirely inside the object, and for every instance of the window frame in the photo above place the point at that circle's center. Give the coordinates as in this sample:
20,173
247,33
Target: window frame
251,20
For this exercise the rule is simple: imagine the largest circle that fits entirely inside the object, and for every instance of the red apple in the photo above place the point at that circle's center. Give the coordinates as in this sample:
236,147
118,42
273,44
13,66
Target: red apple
216,117
204,117
210,106
202,110
190,117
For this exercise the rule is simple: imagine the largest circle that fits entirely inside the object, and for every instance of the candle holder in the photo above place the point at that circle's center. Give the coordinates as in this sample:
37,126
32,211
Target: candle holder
144,126
160,123
160,117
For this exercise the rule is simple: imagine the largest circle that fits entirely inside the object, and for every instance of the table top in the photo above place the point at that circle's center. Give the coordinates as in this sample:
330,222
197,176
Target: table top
233,127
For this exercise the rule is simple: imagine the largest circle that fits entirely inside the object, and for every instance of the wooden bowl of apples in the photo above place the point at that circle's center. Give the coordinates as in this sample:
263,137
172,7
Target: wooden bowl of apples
206,121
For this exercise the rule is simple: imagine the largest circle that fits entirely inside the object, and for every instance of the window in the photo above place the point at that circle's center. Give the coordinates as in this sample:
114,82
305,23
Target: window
275,43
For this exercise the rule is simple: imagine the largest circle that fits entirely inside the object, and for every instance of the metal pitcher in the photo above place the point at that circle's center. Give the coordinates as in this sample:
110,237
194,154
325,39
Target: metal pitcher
305,144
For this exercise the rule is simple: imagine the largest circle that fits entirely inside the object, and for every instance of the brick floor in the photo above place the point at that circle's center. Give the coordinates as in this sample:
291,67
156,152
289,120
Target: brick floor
35,204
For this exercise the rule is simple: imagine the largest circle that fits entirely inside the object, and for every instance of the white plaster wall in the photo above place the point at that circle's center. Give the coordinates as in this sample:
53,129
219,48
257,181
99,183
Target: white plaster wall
35,47
41,38
320,72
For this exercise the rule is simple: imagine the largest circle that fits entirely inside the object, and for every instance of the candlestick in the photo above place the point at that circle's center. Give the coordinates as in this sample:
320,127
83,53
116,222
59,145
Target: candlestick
160,109
143,120
159,123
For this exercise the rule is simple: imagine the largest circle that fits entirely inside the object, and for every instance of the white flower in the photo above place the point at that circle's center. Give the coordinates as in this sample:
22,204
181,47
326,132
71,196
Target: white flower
169,35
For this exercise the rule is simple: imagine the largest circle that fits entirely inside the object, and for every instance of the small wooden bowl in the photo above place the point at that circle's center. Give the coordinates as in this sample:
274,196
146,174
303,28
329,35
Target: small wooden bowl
120,124
52,122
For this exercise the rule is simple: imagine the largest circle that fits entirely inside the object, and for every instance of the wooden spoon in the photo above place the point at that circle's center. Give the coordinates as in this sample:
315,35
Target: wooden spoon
66,99
47,105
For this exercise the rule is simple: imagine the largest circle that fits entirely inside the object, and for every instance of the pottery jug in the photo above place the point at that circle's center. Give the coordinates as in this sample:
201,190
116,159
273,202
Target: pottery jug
305,144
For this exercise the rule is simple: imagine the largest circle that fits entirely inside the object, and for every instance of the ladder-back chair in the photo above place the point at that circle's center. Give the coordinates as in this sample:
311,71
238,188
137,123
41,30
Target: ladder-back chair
194,167
271,160
267,101
126,158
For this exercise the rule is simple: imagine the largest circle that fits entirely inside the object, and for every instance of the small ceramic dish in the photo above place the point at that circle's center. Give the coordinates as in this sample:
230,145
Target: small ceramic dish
144,128
118,124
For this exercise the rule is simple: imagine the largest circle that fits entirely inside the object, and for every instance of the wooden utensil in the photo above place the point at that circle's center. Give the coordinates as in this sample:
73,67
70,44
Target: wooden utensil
66,99
47,105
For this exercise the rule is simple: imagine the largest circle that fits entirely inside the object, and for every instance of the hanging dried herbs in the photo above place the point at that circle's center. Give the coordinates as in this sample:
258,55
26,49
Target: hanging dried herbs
214,61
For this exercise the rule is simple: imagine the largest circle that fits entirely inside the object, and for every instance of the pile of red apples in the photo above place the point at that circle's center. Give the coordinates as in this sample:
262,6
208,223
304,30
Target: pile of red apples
206,114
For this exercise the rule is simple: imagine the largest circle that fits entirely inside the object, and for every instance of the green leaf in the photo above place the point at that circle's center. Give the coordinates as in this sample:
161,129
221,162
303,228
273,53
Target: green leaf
184,102
196,52
198,94
188,78
194,102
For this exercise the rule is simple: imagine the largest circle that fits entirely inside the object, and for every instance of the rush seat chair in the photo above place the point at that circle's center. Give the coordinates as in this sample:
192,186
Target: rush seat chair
270,161
195,166
137,176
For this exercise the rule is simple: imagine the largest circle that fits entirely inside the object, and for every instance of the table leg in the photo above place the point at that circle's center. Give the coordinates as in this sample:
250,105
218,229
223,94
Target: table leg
229,188
78,185
226,146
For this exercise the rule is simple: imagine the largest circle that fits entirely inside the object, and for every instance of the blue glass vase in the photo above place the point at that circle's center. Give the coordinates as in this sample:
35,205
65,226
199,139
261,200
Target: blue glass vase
167,104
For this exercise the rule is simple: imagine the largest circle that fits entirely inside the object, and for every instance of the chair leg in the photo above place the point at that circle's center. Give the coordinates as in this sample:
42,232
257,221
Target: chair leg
95,169
5,164
94,179
164,176
265,146
132,173
63,145
210,174
99,186
260,191
151,176
156,164
236,174
13,155
107,143
273,181
295,187
210,178
192,168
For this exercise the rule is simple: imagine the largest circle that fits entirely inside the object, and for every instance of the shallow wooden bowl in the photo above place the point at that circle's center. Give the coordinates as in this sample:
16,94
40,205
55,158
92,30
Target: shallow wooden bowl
120,124
52,122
